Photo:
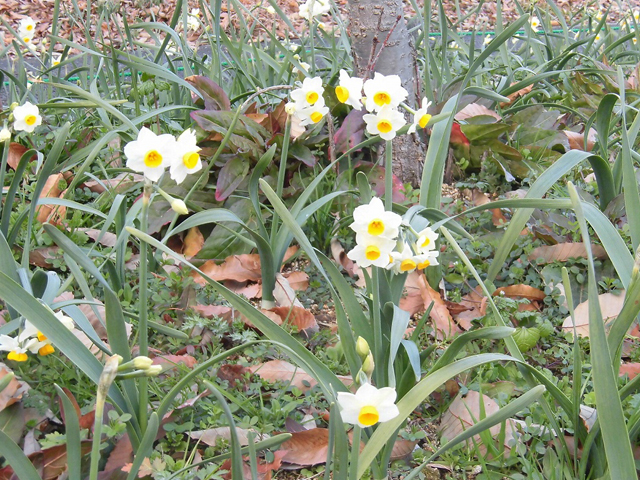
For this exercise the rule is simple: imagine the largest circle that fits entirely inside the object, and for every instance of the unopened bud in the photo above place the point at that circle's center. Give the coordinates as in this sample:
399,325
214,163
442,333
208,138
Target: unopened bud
179,206
5,134
270,10
142,363
290,108
368,365
362,347
13,106
154,370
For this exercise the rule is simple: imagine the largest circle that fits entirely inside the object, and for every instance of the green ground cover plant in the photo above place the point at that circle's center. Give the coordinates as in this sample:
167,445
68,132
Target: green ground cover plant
209,269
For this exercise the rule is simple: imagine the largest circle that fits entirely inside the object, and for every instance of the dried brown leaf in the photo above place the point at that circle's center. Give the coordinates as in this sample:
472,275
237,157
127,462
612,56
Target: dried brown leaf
521,291
565,251
476,110
307,448
193,242
610,306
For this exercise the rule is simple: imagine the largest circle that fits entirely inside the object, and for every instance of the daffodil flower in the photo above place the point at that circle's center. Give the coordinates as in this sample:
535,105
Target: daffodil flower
27,27
374,220
427,260
368,406
404,261
534,22
313,114
310,93
421,117
187,159
384,91
151,154
426,240
372,250
384,123
349,90
313,8
17,350
26,117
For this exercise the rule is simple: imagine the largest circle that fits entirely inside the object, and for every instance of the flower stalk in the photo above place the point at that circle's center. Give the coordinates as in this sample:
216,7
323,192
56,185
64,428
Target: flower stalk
143,326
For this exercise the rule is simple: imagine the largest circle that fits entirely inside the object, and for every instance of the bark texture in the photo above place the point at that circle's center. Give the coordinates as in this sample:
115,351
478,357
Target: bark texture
370,19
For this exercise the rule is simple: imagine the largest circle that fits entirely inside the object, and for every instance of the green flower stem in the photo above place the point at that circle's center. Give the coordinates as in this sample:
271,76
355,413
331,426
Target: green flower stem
282,170
106,379
388,177
143,326
355,452
377,326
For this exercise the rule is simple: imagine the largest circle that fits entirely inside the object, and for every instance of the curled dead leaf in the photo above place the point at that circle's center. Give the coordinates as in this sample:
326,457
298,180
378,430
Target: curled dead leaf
610,306
564,251
521,291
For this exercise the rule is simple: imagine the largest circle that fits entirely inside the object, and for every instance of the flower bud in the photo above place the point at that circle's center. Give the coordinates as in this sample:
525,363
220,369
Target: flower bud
368,365
362,347
142,363
179,206
154,370
290,108
5,134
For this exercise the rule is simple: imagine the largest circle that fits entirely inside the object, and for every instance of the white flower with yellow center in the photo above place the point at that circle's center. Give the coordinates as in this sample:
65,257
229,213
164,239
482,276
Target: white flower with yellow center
487,40
636,15
313,8
372,219
634,39
27,27
404,261
309,93
193,21
368,406
349,90
17,350
383,91
425,260
187,159
426,240
26,117
385,123
372,250
421,117
55,59
151,154
535,22
313,114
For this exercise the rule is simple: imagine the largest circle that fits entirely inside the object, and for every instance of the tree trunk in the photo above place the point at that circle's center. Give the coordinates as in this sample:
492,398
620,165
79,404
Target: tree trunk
370,22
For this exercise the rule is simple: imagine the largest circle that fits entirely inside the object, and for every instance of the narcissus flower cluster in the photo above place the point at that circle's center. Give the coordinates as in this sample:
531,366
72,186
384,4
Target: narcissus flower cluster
151,154
313,8
383,95
31,340
27,30
382,240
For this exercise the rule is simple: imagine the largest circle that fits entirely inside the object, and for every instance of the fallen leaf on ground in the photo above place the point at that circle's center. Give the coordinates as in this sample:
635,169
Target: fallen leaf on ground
51,189
419,297
610,306
52,462
193,242
631,369
220,311
43,257
240,268
299,317
477,304
576,140
464,412
307,448
16,150
170,361
515,95
108,239
297,280
118,183
479,198
564,251
402,449
284,293
232,374
521,291
13,391
281,371
212,435
476,110
340,257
